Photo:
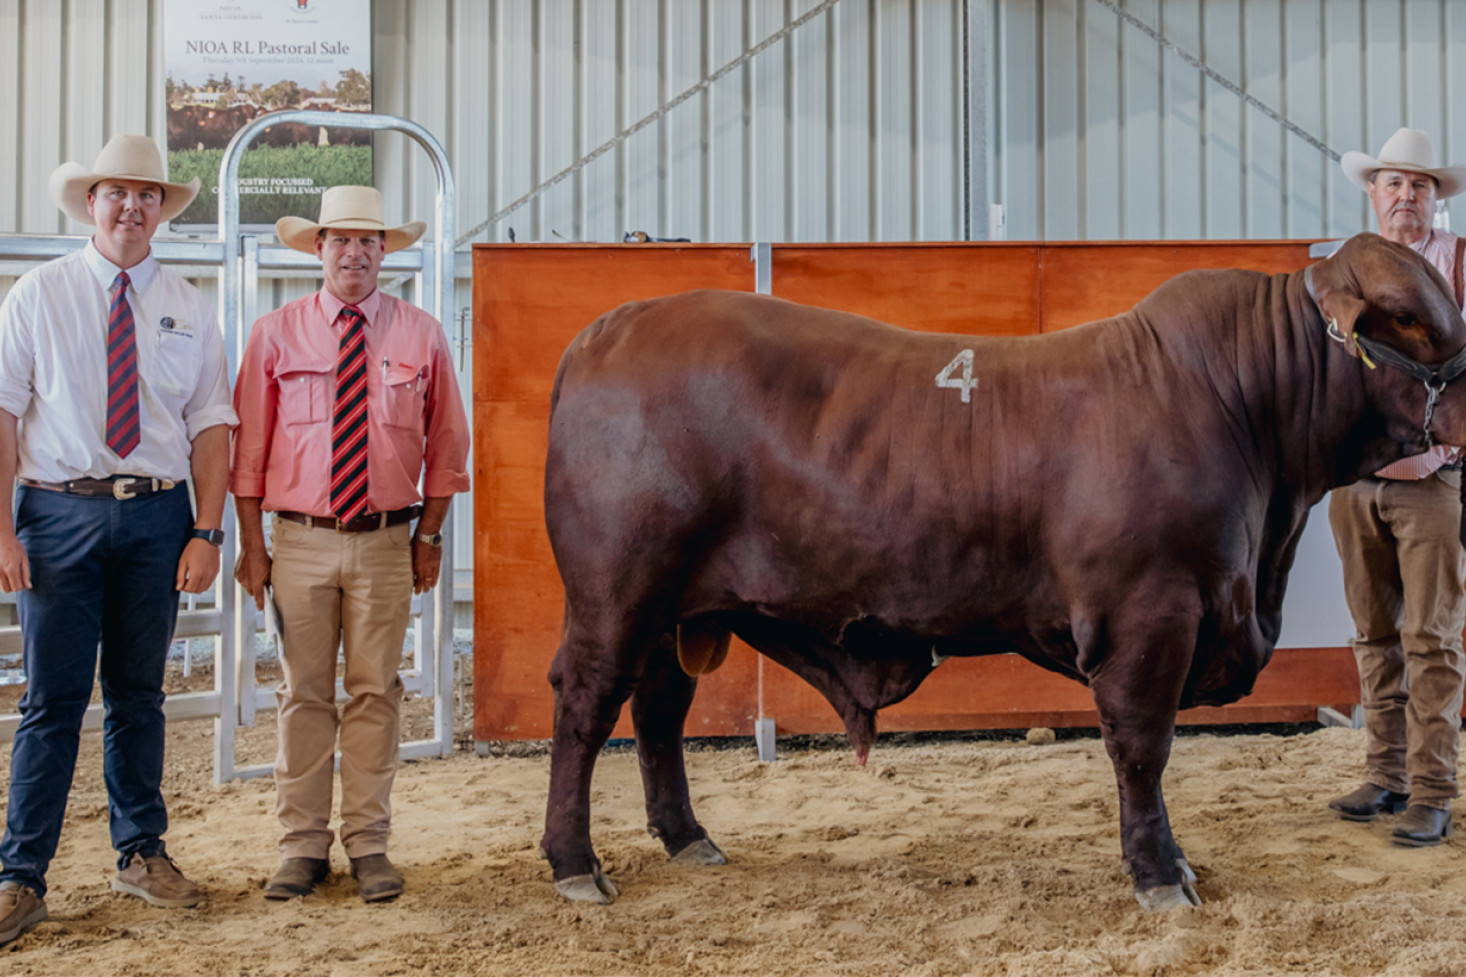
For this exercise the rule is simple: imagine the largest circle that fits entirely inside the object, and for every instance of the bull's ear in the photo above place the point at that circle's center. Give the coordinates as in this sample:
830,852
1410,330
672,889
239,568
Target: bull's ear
1342,311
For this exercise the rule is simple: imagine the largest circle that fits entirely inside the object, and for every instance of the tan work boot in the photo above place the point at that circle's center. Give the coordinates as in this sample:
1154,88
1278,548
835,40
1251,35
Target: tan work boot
20,909
158,882
377,878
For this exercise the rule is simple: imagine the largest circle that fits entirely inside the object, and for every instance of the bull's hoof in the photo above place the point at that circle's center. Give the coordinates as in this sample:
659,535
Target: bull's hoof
1164,898
702,852
588,888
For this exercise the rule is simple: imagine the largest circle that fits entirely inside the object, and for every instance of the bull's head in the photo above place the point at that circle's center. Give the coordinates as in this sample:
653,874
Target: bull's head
1393,310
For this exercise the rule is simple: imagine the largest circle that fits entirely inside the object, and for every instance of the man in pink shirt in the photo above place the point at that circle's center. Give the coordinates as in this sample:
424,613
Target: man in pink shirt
1404,566
348,398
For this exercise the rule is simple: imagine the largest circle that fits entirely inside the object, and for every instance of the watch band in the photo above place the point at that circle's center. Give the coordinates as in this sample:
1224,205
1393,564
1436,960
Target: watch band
432,539
215,536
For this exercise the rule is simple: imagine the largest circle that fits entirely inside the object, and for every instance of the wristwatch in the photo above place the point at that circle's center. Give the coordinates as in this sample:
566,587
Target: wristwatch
215,536
432,539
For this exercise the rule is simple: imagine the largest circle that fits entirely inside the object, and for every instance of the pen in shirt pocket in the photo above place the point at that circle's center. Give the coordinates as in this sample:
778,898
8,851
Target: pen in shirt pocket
384,369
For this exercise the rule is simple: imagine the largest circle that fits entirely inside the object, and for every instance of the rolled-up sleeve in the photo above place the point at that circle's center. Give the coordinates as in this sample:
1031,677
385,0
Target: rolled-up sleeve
445,449
209,405
17,350
256,393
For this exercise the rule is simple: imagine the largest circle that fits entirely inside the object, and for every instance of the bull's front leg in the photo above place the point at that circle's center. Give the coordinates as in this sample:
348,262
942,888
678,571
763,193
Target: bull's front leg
1136,694
659,710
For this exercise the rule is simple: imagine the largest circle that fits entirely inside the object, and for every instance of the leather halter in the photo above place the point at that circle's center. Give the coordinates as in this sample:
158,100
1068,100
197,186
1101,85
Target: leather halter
1434,377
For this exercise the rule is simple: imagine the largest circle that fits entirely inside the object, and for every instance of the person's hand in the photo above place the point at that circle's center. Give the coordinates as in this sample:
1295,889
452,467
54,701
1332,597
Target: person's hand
197,567
426,561
15,566
253,573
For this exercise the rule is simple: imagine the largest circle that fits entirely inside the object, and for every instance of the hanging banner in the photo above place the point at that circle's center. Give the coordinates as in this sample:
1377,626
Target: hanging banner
228,63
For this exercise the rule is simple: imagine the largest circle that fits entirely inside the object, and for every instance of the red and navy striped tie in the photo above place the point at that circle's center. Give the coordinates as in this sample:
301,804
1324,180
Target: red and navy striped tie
349,429
123,427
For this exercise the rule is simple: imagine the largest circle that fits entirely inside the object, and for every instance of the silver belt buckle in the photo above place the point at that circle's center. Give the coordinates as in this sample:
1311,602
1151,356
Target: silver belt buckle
122,488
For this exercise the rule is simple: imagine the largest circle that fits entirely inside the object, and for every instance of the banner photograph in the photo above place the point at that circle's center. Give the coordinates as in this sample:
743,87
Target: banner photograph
228,63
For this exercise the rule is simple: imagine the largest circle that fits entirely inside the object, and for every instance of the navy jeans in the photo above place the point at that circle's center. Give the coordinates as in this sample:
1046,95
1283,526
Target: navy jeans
102,570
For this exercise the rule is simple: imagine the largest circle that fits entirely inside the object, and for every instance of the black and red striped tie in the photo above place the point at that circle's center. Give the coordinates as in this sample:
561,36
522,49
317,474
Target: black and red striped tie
349,429
124,430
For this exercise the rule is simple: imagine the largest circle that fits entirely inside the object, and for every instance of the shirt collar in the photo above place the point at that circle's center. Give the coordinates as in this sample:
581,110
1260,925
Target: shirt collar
140,274
369,306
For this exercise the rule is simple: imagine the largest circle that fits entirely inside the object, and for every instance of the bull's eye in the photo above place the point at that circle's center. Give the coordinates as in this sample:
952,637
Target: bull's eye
1404,319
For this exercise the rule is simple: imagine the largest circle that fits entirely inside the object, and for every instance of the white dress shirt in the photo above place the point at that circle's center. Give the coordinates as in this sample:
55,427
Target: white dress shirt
53,368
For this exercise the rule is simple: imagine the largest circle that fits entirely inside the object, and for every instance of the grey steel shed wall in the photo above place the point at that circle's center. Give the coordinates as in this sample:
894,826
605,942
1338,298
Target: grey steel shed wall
852,128
849,129
1102,132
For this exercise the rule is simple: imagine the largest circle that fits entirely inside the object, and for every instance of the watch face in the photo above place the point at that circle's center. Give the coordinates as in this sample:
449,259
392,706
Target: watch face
215,536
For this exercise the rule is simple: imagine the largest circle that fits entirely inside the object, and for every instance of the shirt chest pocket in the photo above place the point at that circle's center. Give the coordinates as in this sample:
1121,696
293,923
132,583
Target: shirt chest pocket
403,388
172,369
306,395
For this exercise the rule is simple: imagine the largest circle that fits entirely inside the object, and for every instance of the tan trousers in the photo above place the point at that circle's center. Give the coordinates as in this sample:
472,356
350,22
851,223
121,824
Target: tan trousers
1403,579
350,591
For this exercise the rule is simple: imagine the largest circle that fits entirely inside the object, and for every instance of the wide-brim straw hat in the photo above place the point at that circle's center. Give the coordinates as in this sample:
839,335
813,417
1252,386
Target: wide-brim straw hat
123,158
349,209
1409,150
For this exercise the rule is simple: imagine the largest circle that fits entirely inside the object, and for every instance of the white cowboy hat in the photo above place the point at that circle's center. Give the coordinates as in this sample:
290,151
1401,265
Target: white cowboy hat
123,158
1409,150
348,208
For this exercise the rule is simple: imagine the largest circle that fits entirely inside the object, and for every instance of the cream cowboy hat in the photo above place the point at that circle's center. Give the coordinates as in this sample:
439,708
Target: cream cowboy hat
123,158
1409,150
348,208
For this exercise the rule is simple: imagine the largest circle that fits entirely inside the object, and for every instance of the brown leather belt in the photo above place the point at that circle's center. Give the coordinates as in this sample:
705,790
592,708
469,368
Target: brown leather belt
117,487
361,524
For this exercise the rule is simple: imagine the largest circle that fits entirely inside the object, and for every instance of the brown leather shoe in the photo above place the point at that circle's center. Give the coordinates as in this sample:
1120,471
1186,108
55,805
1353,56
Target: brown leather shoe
158,882
20,909
378,878
1368,802
297,877
1422,827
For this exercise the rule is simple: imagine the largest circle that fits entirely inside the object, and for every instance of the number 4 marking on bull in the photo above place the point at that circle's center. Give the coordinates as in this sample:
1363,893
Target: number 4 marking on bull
965,383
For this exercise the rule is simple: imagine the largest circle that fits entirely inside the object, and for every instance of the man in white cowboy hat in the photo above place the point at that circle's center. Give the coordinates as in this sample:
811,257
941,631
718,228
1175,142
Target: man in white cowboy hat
114,392
1404,566
348,397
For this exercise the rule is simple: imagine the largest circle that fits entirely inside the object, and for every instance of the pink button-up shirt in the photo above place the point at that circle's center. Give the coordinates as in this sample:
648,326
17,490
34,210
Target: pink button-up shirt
285,396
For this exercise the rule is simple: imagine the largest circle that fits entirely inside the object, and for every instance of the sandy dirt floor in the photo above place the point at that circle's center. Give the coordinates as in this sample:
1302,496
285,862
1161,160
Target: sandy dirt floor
938,858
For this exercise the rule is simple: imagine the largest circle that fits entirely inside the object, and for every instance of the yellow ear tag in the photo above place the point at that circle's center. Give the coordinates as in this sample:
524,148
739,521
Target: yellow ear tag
1362,354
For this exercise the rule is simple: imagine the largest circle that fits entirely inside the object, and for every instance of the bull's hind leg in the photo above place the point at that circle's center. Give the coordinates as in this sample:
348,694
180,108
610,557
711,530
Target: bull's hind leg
592,679
659,709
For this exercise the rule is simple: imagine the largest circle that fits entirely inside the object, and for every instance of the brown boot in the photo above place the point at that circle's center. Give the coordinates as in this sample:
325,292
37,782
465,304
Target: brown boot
378,878
1368,802
1422,827
297,877
20,909
158,882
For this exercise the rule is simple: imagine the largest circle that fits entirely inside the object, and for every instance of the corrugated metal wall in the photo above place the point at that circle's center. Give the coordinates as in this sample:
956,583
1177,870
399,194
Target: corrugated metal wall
1102,132
852,128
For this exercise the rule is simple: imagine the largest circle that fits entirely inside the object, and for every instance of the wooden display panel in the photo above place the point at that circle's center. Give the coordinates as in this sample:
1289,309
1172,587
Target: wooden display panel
531,300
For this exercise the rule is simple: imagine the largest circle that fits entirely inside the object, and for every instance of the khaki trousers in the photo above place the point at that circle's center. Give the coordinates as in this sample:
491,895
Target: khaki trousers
350,591
1403,579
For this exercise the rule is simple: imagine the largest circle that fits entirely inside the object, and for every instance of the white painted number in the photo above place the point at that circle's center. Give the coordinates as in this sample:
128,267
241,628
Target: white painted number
965,383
